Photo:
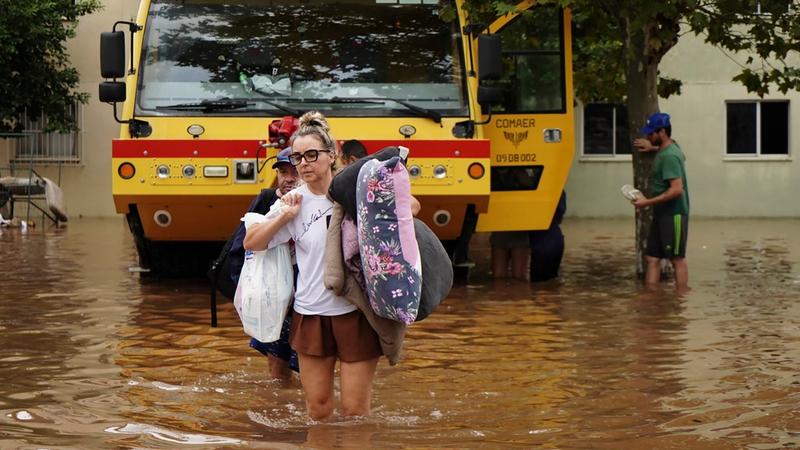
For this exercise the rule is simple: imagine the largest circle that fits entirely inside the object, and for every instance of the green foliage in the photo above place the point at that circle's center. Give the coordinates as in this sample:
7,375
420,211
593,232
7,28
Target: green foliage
767,30
598,56
34,72
669,86
608,35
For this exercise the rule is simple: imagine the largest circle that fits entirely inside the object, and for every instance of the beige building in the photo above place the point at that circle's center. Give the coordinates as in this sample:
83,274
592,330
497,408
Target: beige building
80,163
739,148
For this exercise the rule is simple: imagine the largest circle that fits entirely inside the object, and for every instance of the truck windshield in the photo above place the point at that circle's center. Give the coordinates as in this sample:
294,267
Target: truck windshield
301,55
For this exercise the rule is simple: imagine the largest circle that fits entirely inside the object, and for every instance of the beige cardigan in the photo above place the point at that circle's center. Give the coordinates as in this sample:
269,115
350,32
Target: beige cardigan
342,283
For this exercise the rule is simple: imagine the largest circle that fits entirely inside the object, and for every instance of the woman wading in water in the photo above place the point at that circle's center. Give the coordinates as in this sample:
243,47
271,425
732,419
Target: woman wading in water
325,327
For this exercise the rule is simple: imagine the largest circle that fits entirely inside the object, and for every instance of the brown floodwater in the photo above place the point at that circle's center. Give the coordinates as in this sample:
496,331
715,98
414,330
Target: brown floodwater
93,357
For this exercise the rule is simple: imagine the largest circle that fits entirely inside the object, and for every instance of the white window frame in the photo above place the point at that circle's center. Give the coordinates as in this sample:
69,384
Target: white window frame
38,147
614,156
758,155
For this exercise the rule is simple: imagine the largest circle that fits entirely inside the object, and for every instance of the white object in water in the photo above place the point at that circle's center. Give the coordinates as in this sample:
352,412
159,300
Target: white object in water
55,200
631,193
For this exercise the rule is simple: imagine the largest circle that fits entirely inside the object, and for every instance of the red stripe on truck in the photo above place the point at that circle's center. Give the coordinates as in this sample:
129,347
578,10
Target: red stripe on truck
185,148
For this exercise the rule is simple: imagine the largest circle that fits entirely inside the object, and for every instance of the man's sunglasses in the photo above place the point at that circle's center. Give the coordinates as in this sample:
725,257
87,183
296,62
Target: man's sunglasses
309,155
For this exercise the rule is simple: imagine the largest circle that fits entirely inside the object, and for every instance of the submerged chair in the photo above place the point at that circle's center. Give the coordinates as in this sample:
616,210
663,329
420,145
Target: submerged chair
32,188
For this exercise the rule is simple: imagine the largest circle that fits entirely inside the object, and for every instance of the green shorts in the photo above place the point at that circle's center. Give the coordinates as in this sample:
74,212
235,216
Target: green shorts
667,237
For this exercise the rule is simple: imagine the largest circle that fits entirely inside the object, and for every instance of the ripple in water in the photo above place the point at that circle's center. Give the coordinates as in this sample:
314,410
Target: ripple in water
173,437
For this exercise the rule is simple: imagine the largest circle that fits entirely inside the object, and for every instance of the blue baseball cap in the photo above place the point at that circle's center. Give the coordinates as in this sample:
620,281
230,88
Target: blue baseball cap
655,122
283,157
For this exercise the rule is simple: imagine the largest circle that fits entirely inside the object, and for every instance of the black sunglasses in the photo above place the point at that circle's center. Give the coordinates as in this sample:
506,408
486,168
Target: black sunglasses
310,155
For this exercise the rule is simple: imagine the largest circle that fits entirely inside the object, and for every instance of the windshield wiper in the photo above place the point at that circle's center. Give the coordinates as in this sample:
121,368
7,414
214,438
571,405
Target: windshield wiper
219,104
348,100
227,104
420,111
284,108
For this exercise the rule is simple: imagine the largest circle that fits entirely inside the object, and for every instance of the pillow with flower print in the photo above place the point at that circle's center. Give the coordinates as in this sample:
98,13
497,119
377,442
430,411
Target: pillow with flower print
343,185
386,240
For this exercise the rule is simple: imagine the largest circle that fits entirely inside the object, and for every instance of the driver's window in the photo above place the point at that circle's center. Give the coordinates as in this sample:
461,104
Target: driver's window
533,63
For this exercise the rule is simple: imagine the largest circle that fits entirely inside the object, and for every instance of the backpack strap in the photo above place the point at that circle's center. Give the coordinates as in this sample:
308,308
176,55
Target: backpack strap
264,200
231,256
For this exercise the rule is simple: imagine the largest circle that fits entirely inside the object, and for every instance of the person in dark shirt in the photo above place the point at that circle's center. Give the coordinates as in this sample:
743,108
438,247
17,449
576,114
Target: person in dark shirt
282,359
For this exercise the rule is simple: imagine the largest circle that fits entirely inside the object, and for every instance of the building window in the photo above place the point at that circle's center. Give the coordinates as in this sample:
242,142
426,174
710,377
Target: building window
39,147
759,7
756,128
605,130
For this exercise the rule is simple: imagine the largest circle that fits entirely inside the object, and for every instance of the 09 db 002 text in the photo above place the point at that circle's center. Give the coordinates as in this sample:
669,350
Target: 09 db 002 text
515,157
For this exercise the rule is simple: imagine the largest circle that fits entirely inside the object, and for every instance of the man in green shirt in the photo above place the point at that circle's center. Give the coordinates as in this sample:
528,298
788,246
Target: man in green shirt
669,197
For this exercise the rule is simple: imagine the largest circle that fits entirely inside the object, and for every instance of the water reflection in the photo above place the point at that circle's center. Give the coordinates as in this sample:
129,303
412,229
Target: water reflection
93,357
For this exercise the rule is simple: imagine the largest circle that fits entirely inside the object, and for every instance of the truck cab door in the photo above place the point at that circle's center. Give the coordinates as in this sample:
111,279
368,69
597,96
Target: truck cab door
531,122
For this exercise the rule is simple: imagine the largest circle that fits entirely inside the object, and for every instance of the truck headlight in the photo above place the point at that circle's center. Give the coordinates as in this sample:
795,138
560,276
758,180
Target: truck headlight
162,171
189,171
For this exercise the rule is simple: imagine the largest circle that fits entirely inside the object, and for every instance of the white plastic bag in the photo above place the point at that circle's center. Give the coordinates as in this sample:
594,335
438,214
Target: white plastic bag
266,285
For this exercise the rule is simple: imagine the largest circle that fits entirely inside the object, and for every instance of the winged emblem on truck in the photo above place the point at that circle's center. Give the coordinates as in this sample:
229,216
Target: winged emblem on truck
515,138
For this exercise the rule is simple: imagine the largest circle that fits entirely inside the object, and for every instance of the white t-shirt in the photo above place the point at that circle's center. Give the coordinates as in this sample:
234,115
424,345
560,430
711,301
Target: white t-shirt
309,231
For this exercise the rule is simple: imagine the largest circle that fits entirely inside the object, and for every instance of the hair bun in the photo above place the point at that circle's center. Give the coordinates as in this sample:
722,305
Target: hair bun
314,119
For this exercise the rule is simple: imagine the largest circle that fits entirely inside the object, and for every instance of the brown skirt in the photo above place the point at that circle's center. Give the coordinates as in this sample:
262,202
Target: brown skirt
348,336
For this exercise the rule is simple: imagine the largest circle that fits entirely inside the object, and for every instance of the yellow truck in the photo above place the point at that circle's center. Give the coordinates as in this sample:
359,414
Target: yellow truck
205,86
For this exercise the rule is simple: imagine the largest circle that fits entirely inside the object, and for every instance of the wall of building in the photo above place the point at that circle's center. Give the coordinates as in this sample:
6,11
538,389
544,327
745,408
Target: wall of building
87,186
719,185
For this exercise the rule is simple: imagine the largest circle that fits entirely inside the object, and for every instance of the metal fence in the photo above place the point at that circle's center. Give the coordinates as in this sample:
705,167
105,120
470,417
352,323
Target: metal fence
36,146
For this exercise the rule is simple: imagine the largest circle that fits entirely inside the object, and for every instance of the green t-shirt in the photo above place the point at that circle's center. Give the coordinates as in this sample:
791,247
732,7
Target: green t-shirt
668,165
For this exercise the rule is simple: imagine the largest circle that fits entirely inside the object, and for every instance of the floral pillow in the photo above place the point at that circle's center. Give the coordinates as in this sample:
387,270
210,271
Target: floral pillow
386,240
343,186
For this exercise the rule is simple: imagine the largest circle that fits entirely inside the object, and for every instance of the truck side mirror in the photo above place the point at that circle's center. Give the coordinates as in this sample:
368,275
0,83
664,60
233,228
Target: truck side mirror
112,65
112,92
112,54
489,95
490,54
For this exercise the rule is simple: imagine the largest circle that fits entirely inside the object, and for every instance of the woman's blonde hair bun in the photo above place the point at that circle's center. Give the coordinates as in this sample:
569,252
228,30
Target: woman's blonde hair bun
314,119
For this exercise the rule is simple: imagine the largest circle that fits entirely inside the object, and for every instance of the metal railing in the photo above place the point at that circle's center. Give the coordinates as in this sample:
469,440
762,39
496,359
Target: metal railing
36,146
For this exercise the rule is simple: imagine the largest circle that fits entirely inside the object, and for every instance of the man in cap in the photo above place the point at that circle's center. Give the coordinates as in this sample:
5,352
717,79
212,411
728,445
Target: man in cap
285,172
669,197
282,360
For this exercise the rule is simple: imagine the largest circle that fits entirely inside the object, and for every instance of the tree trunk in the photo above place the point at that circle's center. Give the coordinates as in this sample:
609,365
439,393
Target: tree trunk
642,100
